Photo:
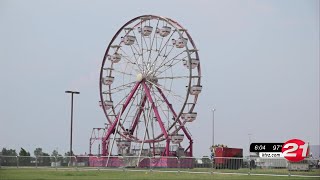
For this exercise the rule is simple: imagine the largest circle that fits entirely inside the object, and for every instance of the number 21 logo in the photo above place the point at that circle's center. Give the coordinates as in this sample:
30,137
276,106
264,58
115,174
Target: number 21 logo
295,150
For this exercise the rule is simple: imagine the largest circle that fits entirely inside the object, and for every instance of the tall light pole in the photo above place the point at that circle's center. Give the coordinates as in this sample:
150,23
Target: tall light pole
250,163
213,126
213,137
71,125
249,137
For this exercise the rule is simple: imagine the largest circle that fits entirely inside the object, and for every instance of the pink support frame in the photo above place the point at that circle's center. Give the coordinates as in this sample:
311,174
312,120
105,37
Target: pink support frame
161,124
175,115
156,112
112,127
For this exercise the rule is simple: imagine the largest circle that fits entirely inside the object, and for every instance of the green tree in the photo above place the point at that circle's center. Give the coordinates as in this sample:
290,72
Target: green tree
56,154
9,161
42,160
23,152
46,160
68,154
24,158
8,152
38,152
67,159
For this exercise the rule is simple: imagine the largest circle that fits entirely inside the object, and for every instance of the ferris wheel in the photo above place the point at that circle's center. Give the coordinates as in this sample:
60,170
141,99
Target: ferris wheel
150,80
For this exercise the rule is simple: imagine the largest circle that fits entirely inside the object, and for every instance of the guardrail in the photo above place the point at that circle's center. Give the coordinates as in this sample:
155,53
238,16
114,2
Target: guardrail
219,165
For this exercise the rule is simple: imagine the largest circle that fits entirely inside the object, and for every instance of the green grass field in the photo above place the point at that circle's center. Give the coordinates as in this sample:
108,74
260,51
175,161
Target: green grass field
93,174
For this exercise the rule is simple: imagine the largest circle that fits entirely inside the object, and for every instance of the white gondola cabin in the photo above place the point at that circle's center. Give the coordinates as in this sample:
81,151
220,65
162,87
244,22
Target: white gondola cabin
122,143
176,139
180,43
195,89
194,63
115,58
164,31
107,104
189,117
128,39
106,92
146,30
108,80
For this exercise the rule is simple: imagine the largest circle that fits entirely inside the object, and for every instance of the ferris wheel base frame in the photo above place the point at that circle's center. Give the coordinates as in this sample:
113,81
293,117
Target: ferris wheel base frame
112,129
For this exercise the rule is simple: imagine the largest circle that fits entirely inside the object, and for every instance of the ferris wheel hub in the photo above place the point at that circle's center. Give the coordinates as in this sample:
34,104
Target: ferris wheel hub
139,77
149,76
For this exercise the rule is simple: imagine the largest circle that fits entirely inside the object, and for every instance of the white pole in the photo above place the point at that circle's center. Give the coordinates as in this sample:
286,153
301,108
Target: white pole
144,136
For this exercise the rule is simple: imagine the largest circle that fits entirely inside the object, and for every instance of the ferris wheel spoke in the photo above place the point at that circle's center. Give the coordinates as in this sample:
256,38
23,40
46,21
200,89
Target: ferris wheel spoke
124,76
159,53
166,115
137,51
123,72
136,62
119,103
158,50
164,63
134,55
176,77
124,85
116,122
131,104
168,90
177,97
133,66
145,42
120,89
174,114
172,61
156,112
140,48
146,119
142,39
129,61
167,67
138,113
151,43
165,57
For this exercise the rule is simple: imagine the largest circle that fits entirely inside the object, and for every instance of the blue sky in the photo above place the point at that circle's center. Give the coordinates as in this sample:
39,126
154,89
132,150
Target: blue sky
260,67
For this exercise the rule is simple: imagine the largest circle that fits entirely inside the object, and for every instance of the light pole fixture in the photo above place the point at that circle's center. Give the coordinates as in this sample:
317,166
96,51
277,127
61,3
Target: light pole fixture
71,125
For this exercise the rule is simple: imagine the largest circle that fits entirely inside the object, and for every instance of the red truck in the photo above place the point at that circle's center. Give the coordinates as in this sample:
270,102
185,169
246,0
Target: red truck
230,158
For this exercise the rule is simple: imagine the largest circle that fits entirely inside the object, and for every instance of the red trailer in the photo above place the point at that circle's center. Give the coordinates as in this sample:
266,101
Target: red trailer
230,158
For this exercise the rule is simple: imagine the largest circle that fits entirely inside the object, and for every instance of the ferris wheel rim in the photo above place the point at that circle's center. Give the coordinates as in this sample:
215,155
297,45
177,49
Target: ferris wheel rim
174,24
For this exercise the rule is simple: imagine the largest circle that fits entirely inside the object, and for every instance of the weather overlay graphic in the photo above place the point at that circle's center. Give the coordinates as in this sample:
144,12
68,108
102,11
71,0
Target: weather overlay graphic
294,150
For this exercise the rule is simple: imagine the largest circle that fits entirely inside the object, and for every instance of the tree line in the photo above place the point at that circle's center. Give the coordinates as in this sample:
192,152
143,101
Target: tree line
40,157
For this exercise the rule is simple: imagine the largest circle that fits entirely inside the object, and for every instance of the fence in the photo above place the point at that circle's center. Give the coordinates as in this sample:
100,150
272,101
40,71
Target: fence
220,165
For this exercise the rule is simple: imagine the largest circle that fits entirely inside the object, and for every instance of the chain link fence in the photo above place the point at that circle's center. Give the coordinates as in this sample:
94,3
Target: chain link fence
219,165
